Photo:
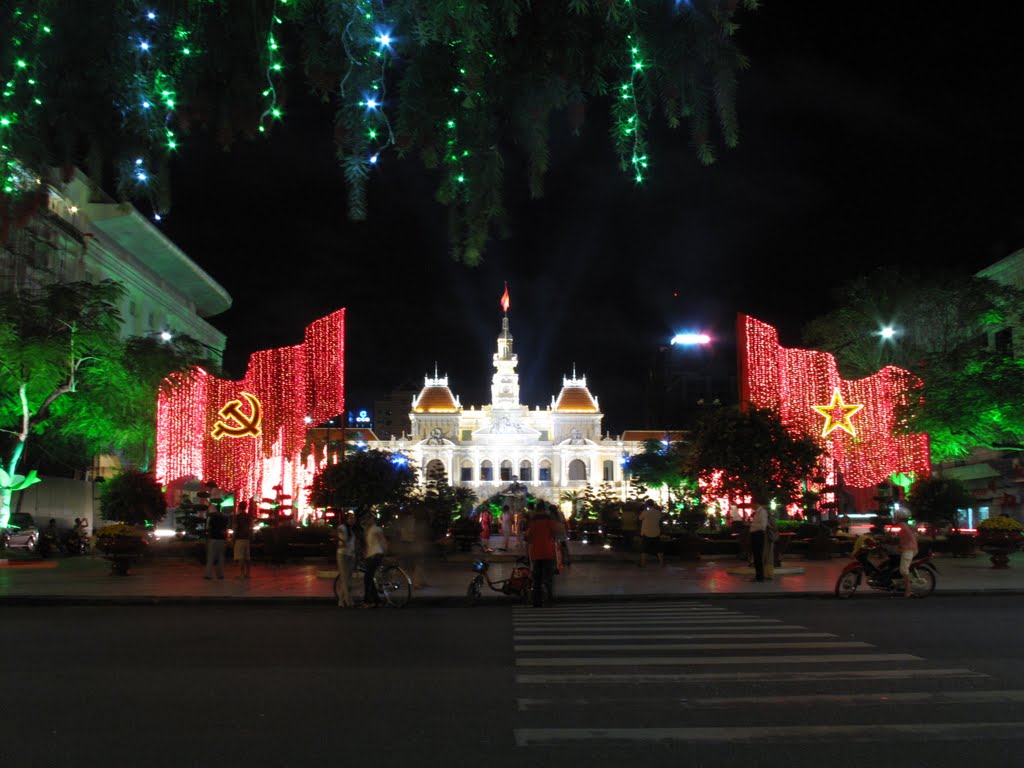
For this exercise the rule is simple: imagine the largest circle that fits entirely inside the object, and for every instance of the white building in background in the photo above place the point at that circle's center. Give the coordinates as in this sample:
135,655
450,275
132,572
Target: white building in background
551,450
79,233
82,234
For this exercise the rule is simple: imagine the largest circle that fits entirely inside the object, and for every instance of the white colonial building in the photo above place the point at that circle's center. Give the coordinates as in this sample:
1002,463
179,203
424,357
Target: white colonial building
555,449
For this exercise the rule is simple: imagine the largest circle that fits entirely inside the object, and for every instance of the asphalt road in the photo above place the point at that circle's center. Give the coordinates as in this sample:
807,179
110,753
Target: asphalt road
801,682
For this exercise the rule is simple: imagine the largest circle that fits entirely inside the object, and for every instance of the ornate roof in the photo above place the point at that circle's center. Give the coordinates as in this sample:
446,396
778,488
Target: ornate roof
575,397
435,397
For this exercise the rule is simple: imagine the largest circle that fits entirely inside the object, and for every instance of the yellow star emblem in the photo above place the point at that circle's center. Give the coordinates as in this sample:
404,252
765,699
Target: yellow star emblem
837,414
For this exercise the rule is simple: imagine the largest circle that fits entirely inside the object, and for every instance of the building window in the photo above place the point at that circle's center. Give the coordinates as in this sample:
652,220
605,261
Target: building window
544,473
609,471
525,472
486,472
506,471
543,435
467,436
577,470
466,475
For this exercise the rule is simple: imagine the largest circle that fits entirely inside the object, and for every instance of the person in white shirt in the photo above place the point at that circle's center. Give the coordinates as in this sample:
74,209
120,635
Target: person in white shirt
650,532
376,547
346,557
758,527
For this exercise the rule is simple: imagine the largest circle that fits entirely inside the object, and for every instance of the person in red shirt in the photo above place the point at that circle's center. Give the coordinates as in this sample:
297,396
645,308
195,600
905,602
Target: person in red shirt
541,541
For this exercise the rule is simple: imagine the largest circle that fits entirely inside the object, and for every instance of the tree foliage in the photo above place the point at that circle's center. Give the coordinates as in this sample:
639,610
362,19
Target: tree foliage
666,467
973,392
468,88
366,481
68,382
936,499
133,497
756,454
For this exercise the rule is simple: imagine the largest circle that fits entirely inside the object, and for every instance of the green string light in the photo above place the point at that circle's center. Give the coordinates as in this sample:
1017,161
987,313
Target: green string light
19,98
275,67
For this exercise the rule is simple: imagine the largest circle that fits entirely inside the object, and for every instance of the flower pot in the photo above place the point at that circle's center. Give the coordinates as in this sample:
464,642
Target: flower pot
122,551
999,545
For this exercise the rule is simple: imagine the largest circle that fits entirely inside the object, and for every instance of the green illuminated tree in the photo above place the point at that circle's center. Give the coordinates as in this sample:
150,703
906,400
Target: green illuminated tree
68,382
52,342
756,454
467,88
665,468
973,392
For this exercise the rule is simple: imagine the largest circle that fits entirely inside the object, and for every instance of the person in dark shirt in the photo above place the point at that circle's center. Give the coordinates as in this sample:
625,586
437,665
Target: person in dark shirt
216,538
242,537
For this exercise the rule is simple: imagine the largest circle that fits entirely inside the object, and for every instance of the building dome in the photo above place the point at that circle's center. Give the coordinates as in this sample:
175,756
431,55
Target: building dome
435,397
575,397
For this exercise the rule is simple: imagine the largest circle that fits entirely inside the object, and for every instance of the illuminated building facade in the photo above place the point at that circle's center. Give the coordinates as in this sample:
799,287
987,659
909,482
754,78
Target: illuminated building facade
553,449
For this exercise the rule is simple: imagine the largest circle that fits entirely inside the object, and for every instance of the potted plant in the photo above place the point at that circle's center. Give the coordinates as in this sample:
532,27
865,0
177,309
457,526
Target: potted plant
1000,537
134,500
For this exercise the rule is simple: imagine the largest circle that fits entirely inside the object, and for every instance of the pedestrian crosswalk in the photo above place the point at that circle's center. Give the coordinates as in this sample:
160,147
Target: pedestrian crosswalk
705,673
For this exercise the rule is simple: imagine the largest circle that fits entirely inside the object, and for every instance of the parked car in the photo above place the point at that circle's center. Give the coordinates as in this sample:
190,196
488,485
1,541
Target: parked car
21,532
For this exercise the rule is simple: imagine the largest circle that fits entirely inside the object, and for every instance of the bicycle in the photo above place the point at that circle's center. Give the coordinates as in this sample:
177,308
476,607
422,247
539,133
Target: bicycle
391,582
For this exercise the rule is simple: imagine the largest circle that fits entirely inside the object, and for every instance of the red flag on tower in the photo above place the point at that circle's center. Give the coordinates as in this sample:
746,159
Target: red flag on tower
505,303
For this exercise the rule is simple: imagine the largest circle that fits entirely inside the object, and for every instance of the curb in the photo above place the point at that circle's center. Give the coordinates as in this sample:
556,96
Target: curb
450,600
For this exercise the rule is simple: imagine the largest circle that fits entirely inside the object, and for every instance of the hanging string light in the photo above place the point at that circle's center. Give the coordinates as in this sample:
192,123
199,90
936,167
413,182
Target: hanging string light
626,108
275,69
20,95
249,436
162,49
856,422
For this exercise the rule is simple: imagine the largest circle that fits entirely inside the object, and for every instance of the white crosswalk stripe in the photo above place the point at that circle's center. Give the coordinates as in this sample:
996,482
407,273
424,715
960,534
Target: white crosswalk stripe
702,658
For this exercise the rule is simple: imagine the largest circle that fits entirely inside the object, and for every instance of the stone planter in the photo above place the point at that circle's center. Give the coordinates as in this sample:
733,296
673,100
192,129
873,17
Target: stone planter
121,551
999,545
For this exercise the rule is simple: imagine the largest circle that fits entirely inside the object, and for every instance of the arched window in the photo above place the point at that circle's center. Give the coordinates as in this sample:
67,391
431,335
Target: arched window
526,472
435,471
506,471
609,470
466,471
577,470
486,471
544,471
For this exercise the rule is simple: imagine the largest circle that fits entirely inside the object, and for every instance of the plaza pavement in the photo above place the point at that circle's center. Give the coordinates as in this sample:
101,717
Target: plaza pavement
595,574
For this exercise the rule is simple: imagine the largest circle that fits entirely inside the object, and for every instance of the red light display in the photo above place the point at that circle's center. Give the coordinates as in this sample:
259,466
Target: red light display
854,421
248,436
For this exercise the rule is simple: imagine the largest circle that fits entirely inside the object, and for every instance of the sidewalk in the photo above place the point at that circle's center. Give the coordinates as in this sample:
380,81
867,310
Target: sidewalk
594,575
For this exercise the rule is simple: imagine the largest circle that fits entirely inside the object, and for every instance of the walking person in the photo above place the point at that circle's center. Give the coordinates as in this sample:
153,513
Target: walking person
375,546
243,535
216,540
650,533
346,558
540,538
758,530
506,527
771,535
908,549
485,527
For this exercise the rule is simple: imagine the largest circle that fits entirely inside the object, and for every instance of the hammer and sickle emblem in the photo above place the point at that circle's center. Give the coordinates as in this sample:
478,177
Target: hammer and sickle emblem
247,425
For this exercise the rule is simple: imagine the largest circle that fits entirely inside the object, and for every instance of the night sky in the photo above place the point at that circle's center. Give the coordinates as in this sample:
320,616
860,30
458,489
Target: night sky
871,134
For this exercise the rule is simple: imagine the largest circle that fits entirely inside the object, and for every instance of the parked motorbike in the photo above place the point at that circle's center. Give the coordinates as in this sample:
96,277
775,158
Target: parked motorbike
519,583
76,543
880,569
